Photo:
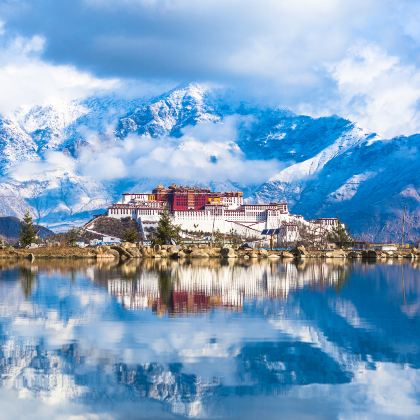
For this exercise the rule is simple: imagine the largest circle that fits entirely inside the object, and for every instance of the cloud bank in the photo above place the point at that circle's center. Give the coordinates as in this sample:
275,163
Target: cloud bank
26,79
378,92
359,59
205,153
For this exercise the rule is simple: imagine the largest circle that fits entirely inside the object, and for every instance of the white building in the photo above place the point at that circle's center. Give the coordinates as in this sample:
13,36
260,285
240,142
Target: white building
246,219
106,240
201,210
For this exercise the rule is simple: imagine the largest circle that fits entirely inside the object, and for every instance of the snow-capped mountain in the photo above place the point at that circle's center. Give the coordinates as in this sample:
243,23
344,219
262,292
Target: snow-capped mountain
368,185
170,113
16,145
323,166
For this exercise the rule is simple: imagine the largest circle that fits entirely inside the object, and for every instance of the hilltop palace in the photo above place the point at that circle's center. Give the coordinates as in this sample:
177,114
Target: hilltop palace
199,209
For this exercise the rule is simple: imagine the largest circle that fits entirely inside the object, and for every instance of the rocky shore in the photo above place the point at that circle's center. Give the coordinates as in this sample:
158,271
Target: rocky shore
127,251
59,252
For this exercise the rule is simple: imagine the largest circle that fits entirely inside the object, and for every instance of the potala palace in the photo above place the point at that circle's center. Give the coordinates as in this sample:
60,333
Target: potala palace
199,209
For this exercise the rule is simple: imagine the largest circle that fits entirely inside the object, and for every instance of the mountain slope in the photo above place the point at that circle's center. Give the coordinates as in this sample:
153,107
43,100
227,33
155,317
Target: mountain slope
15,145
367,186
10,229
170,113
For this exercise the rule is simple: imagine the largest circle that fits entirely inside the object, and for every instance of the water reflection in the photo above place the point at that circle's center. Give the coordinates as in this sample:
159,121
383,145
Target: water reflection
179,288
206,339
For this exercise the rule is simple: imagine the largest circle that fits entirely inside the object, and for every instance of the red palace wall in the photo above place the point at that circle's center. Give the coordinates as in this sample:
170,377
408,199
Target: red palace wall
188,200
180,199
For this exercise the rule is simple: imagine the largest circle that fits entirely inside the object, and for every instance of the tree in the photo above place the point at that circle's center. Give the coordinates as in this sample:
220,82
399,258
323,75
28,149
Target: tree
308,235
130,235
27,230
71,237
235,238
166,231
218,239
340,235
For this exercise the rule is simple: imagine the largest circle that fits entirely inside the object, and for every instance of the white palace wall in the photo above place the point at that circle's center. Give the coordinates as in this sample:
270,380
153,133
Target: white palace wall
244,219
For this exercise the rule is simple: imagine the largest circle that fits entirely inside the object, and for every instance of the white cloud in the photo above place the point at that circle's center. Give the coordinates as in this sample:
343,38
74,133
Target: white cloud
26,79
279,50
53,166
410,12
204,153
377,91
273,50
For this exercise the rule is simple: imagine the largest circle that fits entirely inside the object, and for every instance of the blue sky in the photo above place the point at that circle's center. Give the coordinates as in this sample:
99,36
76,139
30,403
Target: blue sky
358,59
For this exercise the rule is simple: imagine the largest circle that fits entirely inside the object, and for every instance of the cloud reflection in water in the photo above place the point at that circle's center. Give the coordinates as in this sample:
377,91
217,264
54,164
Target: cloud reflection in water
210,339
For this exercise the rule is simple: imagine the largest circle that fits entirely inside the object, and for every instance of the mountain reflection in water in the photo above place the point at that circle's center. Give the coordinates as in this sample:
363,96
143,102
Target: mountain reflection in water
207,339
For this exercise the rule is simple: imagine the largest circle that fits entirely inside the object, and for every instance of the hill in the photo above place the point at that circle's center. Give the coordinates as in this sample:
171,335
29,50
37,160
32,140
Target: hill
104,225
10,229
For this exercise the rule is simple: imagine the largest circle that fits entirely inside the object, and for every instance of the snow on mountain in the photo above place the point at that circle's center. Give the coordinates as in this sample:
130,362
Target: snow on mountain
368,186
313,165
46,124
280,134
100,120
36,168
289,183
15,145
169,113
350,187
329,166
11,203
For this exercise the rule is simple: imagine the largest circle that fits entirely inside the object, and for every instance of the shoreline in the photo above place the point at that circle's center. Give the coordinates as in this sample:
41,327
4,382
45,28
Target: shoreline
127,251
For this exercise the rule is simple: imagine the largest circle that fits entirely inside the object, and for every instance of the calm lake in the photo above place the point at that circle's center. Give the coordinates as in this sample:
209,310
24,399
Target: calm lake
209,340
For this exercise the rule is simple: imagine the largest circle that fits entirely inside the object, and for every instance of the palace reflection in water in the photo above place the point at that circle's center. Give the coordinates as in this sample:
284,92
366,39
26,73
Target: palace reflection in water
205,339
174,288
